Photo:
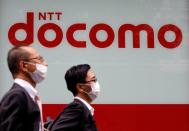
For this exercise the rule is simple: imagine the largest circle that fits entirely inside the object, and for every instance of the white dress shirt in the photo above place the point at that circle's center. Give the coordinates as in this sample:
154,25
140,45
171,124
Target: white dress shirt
91,109
28,87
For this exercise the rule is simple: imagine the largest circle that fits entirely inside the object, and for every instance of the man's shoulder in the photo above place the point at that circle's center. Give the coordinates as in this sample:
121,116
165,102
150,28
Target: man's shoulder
16,92
75,107
17,89
75,104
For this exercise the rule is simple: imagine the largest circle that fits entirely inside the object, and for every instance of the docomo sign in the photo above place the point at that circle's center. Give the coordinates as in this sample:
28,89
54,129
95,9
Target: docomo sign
28,27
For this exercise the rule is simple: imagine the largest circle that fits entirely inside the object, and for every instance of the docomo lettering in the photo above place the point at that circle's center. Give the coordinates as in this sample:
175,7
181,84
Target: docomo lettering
28,27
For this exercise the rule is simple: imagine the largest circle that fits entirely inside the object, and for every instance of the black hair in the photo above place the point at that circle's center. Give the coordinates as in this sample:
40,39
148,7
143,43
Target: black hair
16,54
76,74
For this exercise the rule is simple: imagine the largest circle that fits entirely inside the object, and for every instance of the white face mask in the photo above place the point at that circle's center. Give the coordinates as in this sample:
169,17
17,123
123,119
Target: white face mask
95,90
39,74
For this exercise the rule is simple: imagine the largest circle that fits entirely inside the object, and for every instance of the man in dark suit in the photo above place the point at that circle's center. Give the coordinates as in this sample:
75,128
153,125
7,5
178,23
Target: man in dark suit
78,115
20,108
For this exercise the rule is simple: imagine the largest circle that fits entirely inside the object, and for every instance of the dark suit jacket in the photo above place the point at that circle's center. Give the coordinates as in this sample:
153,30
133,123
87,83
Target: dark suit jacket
75,117
18,112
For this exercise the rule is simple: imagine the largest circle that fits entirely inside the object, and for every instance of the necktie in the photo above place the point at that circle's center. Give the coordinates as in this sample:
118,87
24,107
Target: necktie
38,101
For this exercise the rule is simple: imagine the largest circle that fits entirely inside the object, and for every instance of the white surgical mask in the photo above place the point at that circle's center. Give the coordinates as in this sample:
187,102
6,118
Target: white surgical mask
95,90
39,74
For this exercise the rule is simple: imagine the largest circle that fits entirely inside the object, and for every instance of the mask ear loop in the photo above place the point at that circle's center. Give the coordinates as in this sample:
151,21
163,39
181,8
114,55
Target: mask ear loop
29,63
26,63
83,90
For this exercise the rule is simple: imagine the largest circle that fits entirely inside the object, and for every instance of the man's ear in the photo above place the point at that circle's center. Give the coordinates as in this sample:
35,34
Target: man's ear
79,87
23,66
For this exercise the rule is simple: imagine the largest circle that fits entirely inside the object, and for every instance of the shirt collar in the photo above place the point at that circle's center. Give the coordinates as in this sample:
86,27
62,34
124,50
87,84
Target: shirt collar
27,86
91,109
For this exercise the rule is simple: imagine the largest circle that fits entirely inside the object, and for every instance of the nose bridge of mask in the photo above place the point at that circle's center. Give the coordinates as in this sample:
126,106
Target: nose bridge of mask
95,87
41,68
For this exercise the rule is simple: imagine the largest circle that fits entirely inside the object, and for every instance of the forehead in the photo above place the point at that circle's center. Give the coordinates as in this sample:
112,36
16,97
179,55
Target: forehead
32,52
90,74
